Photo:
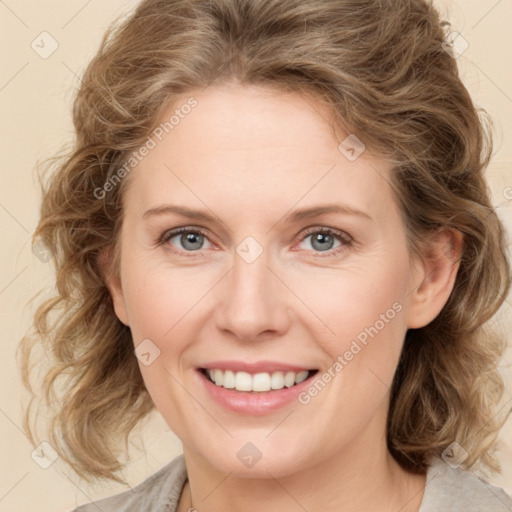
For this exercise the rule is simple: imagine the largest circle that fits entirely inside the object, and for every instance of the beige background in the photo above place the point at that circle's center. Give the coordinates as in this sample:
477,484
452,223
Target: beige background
35,98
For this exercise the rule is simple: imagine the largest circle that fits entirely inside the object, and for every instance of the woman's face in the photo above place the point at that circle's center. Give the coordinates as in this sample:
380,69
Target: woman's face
292,259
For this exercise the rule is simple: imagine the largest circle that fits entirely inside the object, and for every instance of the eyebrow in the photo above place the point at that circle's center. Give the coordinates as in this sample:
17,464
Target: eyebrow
316,211
294,216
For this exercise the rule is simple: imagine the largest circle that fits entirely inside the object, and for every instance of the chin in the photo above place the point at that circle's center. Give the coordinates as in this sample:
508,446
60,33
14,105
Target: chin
246,459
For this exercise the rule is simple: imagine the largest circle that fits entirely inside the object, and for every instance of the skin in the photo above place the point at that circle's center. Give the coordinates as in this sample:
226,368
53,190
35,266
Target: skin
295,303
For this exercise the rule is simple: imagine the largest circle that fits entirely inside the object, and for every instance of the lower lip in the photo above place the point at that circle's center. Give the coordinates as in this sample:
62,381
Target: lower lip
253,402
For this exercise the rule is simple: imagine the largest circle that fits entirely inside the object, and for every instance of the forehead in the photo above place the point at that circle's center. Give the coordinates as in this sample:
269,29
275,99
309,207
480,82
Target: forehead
254,148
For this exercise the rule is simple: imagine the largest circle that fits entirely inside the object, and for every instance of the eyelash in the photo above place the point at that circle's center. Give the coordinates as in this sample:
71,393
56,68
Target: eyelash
345,239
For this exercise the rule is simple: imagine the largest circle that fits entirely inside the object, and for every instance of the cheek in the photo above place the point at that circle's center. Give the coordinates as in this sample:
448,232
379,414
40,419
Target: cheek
364,312
349,304
162,303
160,298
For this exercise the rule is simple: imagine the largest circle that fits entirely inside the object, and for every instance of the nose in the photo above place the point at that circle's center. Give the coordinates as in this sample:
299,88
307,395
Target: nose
252,301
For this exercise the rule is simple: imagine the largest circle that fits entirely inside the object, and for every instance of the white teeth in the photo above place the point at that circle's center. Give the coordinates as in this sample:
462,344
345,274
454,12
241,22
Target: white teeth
289,379
243,381
301,376
219,377
261,382
229,379
277,380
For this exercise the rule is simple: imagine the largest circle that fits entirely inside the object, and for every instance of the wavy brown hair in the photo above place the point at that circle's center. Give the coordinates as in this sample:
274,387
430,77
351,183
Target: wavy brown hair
383,70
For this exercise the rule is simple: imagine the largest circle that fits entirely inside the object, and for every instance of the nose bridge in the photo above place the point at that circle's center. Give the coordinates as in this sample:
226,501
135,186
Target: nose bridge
252,301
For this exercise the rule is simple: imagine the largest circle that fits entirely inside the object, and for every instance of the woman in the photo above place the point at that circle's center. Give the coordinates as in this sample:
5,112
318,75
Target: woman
275,229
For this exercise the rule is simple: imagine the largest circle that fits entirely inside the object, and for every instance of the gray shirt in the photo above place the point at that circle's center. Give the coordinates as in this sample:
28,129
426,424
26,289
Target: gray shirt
447,490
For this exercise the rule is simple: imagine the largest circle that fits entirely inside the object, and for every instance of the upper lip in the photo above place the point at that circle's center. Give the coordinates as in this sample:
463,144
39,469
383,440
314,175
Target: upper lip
255,367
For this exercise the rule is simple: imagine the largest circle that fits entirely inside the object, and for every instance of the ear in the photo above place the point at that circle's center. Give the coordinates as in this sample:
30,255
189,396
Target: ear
434,277
106,261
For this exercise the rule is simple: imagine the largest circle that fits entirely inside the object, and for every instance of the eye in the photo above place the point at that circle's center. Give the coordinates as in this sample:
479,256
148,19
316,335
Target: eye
319,240
185,239
326,240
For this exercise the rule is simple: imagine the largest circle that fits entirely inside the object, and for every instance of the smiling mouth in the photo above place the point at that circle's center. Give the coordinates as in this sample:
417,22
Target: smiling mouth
258,382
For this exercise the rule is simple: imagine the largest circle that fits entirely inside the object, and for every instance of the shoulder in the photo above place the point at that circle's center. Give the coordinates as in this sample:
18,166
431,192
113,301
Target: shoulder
455,490
161,491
